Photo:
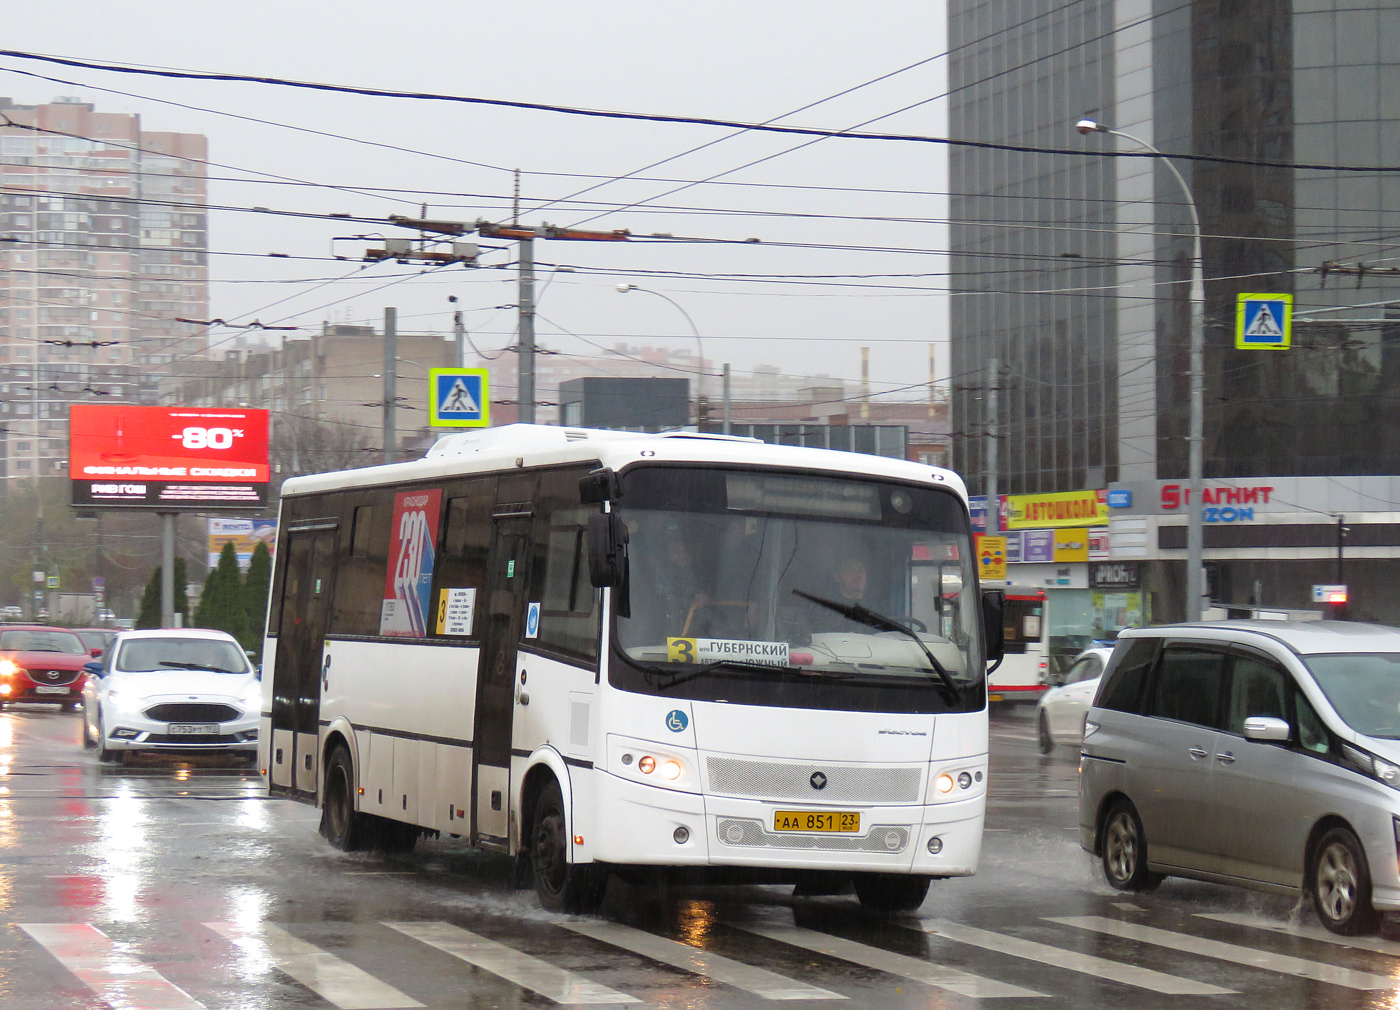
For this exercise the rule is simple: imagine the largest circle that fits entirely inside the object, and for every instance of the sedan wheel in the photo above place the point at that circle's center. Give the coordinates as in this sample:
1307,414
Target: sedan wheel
1341,885
105,755
1047,742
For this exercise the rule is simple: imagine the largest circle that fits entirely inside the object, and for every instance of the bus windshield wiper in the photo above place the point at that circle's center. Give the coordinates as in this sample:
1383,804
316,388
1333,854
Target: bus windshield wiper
868,617
196,666
676,677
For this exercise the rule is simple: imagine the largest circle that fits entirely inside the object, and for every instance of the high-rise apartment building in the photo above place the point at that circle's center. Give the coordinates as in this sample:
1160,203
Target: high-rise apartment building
1073,272
103,245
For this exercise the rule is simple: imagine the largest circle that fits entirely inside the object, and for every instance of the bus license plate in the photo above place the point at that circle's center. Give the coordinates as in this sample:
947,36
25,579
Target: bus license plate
815,820
49,689
194,729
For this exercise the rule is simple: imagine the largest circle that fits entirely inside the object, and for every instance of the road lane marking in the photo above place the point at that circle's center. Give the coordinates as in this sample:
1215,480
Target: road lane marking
1127,906
326,975
758,981
1371,943
939,976
1233,953
1072,960
100,964
550,981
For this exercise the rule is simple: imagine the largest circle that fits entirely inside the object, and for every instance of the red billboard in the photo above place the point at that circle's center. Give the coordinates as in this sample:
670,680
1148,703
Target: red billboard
169,458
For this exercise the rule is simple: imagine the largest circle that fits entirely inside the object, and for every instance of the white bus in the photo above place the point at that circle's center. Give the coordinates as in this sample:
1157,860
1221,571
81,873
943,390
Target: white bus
610,652
1024,671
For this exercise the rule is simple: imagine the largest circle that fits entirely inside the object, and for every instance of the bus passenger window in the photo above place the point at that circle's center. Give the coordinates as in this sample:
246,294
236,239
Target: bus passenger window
359,585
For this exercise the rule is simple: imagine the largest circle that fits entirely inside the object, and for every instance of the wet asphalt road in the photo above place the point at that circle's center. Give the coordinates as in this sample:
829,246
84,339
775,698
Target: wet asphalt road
172,887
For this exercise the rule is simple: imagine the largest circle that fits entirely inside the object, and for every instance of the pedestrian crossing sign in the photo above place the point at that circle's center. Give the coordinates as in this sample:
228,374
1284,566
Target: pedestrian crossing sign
1264,322
459,398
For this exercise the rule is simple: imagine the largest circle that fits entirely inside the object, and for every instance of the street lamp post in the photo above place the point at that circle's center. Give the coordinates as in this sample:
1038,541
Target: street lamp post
1196,439
624,288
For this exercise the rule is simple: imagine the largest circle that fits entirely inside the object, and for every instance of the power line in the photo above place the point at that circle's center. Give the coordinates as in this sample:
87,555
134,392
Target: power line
190,75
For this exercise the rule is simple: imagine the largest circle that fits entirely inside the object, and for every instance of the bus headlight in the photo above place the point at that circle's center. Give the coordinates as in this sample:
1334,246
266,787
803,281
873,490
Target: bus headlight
944,783
647,765
671,770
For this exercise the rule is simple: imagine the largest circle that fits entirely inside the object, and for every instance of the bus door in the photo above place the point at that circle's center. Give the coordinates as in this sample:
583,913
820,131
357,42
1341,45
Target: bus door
496,689
296,685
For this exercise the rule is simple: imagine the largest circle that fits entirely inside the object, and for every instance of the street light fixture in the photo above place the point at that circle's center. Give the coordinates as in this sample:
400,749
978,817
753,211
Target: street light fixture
1196,438
624,288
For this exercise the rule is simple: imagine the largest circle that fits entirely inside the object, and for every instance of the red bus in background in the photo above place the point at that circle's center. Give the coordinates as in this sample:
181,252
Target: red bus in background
1024,672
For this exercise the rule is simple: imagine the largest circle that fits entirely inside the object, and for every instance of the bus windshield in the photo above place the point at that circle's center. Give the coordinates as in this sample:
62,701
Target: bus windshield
773,577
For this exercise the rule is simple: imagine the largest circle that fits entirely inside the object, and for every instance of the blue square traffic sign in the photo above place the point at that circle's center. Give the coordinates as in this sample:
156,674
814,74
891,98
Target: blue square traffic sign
1264,322
459,398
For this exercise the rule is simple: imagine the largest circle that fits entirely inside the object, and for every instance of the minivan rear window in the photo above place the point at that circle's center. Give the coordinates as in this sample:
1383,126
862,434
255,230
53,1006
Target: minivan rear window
1121,689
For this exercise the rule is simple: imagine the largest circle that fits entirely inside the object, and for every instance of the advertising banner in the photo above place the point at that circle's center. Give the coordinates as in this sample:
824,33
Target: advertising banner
1071,545
168,458
1037,546
408,583
244,534
1055,509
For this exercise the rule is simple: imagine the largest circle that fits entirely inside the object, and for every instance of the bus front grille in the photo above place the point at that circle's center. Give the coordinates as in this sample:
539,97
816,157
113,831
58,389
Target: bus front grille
741,831
770,780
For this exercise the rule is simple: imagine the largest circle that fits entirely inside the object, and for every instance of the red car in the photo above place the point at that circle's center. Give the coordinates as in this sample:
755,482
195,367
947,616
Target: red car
38,663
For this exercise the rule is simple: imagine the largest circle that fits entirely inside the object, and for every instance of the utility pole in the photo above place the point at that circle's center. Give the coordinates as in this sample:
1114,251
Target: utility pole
526,300
391,353
726,398
459,330
993,501
167,569
865,384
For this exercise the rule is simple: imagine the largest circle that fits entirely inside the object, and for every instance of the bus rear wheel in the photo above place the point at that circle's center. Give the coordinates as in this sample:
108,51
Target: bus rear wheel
887,893
341,824
561,886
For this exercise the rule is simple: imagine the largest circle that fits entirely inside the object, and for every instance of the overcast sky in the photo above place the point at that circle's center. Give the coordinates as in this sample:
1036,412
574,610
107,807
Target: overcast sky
725,59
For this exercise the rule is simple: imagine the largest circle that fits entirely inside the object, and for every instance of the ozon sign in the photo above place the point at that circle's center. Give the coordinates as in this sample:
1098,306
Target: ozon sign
176,458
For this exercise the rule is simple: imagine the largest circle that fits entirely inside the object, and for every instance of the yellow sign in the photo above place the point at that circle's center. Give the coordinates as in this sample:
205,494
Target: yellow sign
680,650
1059,508
991,558
1071,545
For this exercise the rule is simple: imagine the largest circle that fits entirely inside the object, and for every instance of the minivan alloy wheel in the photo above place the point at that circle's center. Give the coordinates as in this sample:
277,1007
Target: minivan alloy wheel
1341,884
1120,846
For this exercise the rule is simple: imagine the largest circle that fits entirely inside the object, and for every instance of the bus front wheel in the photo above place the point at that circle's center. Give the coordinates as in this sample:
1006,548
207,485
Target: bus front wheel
887,893
562,886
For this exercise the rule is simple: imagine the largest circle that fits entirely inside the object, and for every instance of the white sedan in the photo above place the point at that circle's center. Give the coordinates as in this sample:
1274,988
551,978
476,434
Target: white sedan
1060,715
186,691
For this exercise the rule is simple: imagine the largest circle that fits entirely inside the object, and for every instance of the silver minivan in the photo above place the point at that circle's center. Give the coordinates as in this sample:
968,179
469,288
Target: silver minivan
1258,753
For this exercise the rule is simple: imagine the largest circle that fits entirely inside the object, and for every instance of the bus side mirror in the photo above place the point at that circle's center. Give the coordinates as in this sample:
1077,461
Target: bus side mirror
598,486
607,550
993,603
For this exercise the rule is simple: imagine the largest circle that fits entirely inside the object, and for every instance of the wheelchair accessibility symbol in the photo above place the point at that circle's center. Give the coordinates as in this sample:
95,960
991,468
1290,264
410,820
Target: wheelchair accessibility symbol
676,721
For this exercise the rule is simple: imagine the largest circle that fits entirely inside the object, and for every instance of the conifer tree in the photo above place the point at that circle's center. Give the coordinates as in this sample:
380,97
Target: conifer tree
149,614
221,604
255,587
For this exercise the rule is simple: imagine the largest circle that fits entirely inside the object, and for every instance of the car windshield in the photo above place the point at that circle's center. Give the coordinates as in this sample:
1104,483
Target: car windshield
147,655
1364,688
41,641
847,579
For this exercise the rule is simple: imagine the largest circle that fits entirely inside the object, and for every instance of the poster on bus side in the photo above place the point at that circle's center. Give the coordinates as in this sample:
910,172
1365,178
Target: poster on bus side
408,583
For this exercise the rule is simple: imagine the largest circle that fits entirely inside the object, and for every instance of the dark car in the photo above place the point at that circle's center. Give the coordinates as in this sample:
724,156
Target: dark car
96,639
42,664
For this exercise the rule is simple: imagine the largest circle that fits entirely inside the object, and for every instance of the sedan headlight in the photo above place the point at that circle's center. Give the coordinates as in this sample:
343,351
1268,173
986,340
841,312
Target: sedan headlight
8,668
252,699
126,701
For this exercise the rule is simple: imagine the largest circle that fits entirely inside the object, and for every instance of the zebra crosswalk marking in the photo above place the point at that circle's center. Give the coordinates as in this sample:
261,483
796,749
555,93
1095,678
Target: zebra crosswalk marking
1371,943
1072,960
100,964
758,981
326,975
548,980
1234,953
939,976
